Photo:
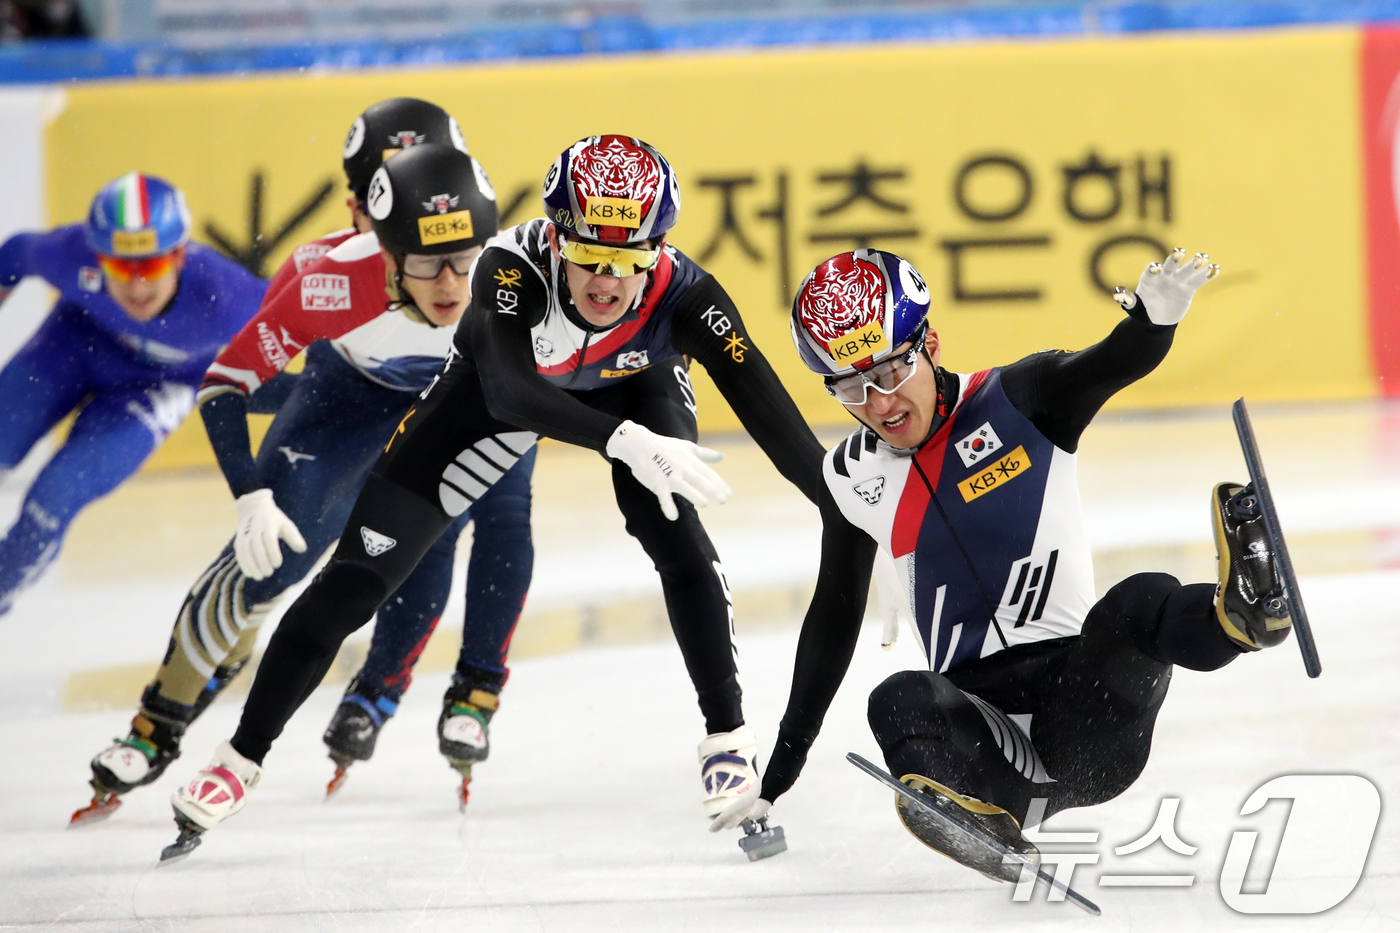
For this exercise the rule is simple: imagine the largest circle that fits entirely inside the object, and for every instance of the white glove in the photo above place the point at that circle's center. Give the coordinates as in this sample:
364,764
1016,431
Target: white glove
260,524
1166,287
747,806
893,608
669,465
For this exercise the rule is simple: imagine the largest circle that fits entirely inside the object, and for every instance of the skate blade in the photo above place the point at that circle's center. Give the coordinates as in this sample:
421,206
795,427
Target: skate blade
978,834
342,774
102,806
186,843
464,794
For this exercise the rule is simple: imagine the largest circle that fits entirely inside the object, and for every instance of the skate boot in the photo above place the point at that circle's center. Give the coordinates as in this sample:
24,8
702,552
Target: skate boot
137,760
728,767
464,733
354,729
1249,602
215,794
991,820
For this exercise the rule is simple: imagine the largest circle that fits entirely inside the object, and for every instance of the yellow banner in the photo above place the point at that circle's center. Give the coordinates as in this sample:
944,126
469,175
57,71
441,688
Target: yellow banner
1023,180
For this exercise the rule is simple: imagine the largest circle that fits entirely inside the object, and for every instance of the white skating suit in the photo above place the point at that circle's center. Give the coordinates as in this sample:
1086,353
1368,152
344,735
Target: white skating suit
982,522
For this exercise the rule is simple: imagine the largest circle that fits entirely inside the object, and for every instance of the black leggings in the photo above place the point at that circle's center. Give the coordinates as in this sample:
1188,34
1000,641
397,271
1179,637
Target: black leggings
448,451
1093,699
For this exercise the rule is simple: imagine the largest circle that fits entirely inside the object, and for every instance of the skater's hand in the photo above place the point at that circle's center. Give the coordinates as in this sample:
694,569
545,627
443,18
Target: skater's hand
893,606
1166,287
747,806
669,466
260,526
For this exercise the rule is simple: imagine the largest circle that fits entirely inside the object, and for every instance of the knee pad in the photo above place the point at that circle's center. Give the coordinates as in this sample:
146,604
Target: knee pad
341,599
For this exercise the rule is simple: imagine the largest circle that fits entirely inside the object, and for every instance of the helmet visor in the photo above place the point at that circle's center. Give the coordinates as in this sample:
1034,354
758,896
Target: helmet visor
418,266
885,376
608,260
124,270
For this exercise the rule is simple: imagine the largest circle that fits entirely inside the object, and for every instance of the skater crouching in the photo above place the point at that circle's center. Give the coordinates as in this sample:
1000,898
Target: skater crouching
967,481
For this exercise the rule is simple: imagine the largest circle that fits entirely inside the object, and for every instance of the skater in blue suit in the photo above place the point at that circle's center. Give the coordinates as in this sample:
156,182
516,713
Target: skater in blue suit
141,314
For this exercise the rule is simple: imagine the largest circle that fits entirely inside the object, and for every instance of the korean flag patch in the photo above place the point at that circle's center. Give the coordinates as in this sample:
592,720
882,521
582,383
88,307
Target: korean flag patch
979,445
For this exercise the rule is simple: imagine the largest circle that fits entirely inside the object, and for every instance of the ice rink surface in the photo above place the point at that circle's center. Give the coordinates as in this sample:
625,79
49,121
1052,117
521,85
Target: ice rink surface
587,816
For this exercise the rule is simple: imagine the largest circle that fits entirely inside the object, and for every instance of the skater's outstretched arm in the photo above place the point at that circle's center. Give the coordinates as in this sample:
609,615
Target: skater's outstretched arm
707,326
824,648
1061,392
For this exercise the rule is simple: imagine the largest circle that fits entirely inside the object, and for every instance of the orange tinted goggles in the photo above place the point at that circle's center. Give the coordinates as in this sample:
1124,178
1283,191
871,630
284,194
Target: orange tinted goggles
124,270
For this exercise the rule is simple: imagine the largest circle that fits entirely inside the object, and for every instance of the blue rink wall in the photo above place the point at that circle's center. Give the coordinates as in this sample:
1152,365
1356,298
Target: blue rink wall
60,60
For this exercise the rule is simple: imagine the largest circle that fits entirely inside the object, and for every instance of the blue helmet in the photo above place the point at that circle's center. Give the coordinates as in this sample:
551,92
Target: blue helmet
612,189
855,308
138,215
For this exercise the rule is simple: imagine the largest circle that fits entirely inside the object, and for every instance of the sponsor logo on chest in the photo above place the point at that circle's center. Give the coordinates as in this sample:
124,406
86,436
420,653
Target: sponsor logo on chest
89,279
979,445
324,292
997,474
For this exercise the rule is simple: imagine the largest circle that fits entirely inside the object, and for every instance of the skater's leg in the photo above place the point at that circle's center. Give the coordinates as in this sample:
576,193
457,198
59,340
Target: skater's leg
389,530
1094,724
925,725
41,384
408,618
692,578
498,578
404,623
110,439
416,491
498,575
324,439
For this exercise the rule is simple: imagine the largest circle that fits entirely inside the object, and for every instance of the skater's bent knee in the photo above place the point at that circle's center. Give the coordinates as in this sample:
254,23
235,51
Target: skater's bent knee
1142,594
909,703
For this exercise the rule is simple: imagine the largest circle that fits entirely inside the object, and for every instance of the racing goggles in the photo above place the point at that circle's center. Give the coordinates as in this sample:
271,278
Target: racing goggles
124,270
884,377
418,266
608,260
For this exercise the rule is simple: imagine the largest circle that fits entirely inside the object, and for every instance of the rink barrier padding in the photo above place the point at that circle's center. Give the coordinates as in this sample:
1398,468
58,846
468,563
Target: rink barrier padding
539,634
641,621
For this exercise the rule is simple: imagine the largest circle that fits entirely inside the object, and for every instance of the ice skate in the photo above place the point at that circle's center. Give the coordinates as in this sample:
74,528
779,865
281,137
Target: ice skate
217,792
968,831
137,760
728,767
354,729
1250,602
992,820
464,731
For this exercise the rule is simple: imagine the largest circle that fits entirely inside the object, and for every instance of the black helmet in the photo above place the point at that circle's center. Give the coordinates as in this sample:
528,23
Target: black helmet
390,125
431,199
